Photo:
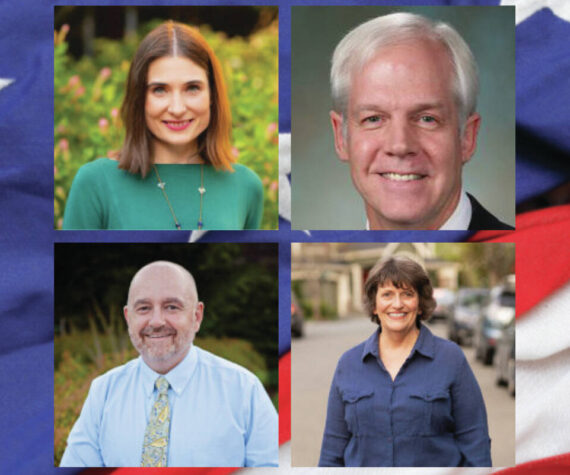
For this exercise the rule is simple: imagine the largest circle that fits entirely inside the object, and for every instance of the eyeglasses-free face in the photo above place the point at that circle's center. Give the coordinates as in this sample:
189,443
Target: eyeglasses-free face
177,105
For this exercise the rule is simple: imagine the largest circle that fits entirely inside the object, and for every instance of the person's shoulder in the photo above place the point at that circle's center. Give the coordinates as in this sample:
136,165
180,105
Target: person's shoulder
481,219
224,368
447,350
94,169
114,376
351,356
246,174
100,164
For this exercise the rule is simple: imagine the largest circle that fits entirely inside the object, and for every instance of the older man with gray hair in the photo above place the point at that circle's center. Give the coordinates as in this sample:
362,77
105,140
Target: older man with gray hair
404,117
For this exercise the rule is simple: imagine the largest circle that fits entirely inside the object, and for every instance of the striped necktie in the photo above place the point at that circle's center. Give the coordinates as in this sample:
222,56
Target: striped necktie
155,446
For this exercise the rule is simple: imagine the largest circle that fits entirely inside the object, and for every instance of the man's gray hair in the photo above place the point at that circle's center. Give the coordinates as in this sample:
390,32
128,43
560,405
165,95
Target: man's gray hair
360,45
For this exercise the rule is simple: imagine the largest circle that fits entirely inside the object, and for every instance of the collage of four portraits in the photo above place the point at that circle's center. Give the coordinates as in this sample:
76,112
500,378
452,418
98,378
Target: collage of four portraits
203,222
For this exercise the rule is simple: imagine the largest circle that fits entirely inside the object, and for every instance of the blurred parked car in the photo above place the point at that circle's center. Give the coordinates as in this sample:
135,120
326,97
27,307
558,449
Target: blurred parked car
505,359
466,313
445,299
296,317
495,318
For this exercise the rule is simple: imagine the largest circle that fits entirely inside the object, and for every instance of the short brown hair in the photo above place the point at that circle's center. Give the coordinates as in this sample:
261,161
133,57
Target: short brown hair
174,39
402,272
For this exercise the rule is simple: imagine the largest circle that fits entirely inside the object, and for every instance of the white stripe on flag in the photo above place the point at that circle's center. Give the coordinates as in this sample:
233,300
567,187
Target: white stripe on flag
284,170
286,469
543,379
525,8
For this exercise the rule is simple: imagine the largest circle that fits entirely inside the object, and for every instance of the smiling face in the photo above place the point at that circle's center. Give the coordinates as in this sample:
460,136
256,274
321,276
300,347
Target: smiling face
397,308
163,314
402,137
177,105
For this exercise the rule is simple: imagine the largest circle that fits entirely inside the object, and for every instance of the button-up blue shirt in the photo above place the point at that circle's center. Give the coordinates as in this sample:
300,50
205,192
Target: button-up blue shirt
221,416
431,415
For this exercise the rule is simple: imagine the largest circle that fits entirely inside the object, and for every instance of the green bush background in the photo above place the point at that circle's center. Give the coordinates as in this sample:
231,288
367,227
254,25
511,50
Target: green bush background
88,93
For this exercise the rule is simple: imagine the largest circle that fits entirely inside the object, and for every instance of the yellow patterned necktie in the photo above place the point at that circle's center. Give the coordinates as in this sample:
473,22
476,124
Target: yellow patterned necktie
155,446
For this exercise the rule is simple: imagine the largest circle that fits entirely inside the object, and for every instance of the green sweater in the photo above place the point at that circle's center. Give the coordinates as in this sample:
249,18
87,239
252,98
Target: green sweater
104,197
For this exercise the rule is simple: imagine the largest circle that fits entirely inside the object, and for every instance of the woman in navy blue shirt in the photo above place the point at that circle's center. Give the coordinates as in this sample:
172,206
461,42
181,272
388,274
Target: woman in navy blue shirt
404,397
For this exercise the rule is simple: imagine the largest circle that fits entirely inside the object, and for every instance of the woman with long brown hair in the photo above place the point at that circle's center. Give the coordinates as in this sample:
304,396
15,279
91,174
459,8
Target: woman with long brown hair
176,169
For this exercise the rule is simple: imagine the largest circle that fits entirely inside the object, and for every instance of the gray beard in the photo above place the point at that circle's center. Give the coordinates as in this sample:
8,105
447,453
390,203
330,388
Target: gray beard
180,343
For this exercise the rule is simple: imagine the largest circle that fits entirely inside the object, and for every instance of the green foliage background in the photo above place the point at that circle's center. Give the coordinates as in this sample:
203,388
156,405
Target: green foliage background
88,93
237,282
483,264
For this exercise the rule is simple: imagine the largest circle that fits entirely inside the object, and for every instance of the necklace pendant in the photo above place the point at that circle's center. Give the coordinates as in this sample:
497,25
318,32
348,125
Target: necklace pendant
161,184
201,190
200,224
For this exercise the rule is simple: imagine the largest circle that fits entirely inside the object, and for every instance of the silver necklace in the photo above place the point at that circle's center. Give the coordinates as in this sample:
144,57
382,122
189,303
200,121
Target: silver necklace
201,190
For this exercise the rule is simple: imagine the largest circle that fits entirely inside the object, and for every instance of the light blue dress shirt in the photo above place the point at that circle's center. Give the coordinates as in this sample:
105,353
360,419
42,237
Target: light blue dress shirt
221,416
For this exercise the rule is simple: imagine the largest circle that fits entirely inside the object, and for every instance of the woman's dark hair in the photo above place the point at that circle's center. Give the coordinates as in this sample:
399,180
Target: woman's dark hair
176,40
402,272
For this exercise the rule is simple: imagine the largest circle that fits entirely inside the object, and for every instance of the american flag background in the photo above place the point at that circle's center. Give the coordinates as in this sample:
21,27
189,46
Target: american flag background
541,237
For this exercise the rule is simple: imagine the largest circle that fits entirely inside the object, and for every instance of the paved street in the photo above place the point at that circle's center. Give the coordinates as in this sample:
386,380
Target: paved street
314,358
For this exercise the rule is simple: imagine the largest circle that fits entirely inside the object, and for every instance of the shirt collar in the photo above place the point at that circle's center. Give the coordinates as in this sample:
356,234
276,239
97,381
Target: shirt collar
178,376
371,345
424,344
459,219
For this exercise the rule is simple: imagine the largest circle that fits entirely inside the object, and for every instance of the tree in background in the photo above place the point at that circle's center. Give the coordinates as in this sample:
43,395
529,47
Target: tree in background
483,264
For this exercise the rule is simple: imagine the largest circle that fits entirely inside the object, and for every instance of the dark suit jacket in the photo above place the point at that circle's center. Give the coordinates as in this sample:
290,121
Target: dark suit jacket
481,219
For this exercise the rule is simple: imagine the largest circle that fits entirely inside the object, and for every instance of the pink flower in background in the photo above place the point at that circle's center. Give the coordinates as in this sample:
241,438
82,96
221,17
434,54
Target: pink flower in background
114,112
59,36
235,152
63,144
74,80
273,186
272,133
105,73
103,124
79,92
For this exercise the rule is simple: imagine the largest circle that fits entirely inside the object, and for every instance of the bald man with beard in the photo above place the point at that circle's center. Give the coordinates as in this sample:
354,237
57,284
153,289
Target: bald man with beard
175,405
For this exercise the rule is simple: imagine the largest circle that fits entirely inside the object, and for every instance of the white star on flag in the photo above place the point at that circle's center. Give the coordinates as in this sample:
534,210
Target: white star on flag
5,82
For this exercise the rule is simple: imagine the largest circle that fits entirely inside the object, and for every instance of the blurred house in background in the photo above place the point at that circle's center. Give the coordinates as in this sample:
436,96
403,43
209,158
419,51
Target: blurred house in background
329,277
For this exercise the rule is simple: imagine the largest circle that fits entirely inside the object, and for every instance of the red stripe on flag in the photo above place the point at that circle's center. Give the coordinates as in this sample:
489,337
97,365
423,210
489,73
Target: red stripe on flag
159,471
558,465
542,253
285,398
